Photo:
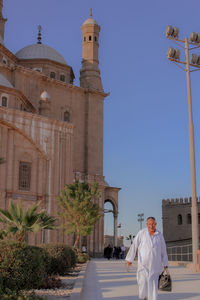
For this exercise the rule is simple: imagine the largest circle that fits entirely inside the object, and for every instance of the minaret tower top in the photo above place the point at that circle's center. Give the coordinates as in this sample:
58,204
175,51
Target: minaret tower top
2,20
39,34
90,20
90,73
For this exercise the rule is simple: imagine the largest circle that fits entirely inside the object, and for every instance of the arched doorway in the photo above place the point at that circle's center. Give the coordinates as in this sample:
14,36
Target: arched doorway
110,223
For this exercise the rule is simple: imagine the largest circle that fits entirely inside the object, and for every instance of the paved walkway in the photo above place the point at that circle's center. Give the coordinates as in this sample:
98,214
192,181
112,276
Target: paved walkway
110,280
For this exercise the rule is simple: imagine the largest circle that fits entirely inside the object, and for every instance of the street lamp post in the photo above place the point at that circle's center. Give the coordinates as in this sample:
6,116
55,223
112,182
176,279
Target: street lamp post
174,56
140,219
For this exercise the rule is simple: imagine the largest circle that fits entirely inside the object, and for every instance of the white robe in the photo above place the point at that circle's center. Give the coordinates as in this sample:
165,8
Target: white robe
152,256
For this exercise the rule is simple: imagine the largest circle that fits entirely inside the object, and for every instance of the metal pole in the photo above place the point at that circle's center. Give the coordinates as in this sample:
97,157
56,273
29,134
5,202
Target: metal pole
140,219
140,223
194,208
115,229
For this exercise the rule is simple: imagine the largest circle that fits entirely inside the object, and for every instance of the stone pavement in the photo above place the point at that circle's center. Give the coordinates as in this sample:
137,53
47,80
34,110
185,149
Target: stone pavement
110,280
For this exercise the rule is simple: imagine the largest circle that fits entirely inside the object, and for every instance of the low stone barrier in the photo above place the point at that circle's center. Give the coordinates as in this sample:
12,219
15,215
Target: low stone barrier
76,291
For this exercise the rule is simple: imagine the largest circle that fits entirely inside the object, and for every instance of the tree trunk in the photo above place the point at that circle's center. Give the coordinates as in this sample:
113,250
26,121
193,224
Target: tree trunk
77,240
20,237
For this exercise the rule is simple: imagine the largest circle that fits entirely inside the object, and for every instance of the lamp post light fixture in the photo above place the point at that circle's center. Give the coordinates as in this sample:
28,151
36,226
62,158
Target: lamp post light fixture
174,56
140,219
130,238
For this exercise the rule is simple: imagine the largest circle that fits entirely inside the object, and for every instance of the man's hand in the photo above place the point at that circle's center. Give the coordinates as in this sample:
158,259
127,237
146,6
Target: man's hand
128,264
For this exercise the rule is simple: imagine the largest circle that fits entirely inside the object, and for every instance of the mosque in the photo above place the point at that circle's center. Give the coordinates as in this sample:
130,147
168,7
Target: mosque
51,131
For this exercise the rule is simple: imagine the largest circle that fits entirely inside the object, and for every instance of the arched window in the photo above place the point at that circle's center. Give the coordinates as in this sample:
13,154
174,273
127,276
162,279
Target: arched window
4,61
180,220
4,101
24,176
84,39
189,219
95,38
62,77
66,116
38,69
53,75
90,37
199,218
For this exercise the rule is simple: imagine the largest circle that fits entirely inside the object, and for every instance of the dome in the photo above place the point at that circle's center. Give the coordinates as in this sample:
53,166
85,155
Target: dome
90,20
5,82
44,96
40,51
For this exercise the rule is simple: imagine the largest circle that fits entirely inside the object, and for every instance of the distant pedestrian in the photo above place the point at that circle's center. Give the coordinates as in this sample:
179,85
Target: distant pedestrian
123,251
115,252
118,252
108,252
84,249
152,257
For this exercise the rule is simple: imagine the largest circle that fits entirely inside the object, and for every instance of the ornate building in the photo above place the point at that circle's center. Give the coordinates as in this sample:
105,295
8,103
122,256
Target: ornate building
51,131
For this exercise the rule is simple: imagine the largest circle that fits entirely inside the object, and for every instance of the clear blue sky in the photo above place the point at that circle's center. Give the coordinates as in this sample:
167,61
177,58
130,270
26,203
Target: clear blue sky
146,144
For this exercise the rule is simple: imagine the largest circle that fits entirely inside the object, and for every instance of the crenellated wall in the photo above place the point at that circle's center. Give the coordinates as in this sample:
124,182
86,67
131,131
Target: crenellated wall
176,214
178,201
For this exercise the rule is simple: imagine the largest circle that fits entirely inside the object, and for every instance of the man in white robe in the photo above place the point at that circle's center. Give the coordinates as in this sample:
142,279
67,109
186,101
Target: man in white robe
152,258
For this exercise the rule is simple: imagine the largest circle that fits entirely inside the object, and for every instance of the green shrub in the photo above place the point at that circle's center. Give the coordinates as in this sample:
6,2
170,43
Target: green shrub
82,258
62,258
21,266
12,295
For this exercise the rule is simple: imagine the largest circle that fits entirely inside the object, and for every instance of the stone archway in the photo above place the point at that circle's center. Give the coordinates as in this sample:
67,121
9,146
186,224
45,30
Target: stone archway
111,209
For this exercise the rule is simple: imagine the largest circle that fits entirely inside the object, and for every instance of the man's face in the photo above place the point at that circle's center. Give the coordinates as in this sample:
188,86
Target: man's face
151,225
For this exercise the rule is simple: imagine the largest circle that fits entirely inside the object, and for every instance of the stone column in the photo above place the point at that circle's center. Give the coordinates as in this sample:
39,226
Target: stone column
10,159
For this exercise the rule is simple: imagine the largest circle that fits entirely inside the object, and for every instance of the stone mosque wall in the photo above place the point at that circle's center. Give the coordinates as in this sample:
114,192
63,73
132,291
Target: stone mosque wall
176,215
51,131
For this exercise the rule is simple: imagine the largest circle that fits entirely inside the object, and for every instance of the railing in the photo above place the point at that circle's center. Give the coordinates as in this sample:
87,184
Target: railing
180,253
198,261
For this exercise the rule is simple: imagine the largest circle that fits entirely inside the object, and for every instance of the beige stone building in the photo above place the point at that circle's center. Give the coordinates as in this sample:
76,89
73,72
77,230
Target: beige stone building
109,240
177,221
51,131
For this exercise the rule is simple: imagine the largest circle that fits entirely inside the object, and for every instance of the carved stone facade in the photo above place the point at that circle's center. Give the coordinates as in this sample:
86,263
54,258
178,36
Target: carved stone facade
51,131
176,214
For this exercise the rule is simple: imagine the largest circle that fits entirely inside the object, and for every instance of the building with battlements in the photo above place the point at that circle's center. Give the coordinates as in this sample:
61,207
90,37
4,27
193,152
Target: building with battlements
51,131
176,214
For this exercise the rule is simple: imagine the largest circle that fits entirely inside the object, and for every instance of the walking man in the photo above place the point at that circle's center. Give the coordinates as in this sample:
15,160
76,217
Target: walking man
152,257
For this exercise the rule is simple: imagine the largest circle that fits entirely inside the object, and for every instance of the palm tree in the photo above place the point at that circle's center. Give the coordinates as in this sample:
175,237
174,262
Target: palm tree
78,210
19,221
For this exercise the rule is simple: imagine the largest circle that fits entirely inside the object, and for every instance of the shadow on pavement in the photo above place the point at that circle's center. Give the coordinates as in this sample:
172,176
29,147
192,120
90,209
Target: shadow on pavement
178,296
170,296
122,298
113,277
105,285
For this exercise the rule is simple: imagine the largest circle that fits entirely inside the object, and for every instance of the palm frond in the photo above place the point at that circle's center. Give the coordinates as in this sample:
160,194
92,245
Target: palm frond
18,221
5,214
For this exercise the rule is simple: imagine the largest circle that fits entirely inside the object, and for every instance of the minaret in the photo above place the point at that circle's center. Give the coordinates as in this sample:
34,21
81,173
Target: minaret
90,73
2,20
